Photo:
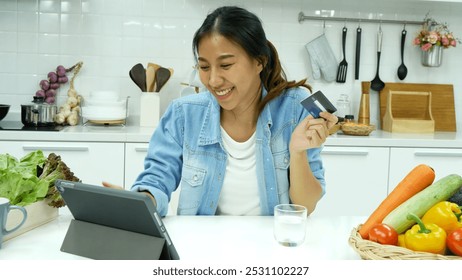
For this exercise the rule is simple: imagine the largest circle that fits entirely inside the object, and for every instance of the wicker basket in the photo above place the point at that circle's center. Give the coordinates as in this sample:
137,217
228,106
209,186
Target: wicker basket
357,129
334,129
369,250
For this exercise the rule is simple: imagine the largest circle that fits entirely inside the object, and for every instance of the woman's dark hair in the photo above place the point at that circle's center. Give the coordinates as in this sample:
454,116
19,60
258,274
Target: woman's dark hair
245,29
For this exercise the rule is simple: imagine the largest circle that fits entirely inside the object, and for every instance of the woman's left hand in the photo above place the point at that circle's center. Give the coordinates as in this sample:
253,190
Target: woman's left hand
311,133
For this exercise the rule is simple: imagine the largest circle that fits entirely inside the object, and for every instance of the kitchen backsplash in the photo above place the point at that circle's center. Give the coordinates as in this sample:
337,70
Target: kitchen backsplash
110,36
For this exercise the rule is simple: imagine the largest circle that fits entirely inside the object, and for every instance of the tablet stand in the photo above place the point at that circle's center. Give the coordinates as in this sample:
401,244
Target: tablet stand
106,243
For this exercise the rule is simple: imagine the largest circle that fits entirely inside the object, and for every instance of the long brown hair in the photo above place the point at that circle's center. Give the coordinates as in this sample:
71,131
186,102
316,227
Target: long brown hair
245,29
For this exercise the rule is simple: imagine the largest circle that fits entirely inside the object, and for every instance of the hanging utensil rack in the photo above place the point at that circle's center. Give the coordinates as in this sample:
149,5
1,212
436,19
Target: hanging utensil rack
302,17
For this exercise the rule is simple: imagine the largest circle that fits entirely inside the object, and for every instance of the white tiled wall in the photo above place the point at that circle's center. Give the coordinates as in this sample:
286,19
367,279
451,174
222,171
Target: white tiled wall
110,36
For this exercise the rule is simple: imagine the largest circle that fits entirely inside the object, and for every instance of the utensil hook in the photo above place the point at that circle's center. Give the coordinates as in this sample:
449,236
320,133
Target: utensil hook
404,27
323,27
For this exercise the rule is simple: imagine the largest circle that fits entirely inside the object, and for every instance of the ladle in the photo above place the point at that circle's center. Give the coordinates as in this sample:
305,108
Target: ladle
402,69
376,83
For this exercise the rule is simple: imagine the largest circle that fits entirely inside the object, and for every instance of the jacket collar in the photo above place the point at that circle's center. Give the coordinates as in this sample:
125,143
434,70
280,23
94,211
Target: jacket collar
210,132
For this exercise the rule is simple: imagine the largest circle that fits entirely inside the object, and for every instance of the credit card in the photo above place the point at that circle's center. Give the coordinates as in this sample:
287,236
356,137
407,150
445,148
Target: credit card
317,103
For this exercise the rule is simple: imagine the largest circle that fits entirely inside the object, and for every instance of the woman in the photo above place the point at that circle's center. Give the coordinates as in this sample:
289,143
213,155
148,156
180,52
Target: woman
245,144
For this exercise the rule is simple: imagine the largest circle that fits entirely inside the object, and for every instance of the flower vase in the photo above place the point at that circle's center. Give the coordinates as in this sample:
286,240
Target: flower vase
432,57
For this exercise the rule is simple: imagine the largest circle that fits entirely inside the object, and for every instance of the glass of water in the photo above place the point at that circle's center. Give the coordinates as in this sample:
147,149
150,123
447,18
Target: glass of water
290,224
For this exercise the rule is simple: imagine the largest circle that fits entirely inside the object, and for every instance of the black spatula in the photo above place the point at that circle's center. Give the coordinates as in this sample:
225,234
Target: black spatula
343,66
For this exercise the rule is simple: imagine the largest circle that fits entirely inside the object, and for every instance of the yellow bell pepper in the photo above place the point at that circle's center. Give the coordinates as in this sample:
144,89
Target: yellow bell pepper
445,214
425,237
401,241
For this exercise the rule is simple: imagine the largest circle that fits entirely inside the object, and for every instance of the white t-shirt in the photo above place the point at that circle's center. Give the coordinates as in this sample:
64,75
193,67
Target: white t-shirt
239,194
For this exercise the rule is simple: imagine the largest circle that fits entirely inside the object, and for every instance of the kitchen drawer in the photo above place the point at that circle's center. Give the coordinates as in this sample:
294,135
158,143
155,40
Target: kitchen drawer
91,162
443,161
356,180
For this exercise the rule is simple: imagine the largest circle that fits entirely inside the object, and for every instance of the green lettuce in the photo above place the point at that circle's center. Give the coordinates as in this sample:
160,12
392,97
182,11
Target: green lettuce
18,178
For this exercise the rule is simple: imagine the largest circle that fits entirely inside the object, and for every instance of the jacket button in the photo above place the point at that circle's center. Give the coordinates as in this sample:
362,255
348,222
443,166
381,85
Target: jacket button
195,178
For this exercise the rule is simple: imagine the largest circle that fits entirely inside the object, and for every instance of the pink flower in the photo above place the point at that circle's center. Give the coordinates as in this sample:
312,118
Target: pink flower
445,41
434,33
432,37
426,46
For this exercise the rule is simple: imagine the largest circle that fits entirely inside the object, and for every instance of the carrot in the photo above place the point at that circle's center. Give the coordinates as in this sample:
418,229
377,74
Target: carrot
418,179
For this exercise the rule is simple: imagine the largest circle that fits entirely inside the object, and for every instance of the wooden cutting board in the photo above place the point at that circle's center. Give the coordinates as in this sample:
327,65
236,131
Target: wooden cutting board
442,103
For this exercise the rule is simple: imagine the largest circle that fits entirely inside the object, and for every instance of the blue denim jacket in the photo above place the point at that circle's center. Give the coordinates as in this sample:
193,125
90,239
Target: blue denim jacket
186,149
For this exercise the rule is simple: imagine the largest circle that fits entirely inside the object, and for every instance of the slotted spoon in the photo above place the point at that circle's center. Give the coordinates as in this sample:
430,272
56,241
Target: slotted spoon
343,66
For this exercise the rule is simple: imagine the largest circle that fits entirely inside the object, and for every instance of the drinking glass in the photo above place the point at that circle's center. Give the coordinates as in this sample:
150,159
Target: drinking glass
290,224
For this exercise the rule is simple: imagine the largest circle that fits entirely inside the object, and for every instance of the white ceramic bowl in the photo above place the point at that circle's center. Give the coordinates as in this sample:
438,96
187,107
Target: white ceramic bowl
105,103
96,113
104,95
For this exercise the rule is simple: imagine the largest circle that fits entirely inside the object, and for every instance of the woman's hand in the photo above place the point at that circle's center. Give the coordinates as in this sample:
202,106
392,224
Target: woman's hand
330,119
111,186
311,133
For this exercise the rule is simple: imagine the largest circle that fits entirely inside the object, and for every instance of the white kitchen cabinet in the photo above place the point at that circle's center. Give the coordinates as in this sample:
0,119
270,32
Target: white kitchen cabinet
134,161
356,180
91,162
134,164
443,161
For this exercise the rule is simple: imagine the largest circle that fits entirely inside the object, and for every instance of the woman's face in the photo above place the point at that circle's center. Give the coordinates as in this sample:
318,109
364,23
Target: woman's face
228,72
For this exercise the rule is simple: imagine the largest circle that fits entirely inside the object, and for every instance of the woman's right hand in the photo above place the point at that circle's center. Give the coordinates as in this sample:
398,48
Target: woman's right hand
111,186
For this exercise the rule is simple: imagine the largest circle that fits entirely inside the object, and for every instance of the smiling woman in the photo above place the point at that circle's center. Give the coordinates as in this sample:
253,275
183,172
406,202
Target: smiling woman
230,148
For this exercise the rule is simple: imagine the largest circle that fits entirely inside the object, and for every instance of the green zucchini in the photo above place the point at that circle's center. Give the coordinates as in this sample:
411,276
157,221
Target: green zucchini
421,202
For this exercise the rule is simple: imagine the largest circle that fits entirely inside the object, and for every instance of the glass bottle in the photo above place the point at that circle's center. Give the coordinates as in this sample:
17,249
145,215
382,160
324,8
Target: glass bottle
343,106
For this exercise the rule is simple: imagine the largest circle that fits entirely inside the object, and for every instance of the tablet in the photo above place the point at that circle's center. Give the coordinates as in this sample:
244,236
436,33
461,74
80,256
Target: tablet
115,208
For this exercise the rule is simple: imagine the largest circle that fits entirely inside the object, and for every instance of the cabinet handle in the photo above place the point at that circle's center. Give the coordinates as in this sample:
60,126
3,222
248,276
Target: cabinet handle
438,154
55,148
141,149
345,153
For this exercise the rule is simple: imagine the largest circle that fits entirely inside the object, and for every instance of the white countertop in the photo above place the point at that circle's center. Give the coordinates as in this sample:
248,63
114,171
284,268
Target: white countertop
208,238
132,132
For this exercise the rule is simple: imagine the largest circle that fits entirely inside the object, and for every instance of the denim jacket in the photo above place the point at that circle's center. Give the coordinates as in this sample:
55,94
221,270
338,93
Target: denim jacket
186,149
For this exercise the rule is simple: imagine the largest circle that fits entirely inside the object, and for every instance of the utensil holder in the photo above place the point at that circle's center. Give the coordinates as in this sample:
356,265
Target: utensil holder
415,118
149,109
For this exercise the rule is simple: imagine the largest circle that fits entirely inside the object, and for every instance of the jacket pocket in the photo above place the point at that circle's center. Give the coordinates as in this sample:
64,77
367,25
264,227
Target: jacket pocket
282,162
192,189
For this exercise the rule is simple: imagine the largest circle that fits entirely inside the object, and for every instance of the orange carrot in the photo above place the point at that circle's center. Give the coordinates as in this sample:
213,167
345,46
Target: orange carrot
418,179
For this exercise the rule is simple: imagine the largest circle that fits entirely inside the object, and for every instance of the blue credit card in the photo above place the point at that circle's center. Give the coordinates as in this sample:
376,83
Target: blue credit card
317,103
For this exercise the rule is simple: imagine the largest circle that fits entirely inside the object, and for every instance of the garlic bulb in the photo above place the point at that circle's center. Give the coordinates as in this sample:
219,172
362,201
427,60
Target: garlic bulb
69,112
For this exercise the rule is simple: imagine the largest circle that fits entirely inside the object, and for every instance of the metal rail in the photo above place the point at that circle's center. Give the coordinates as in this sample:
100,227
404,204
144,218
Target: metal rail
302,17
